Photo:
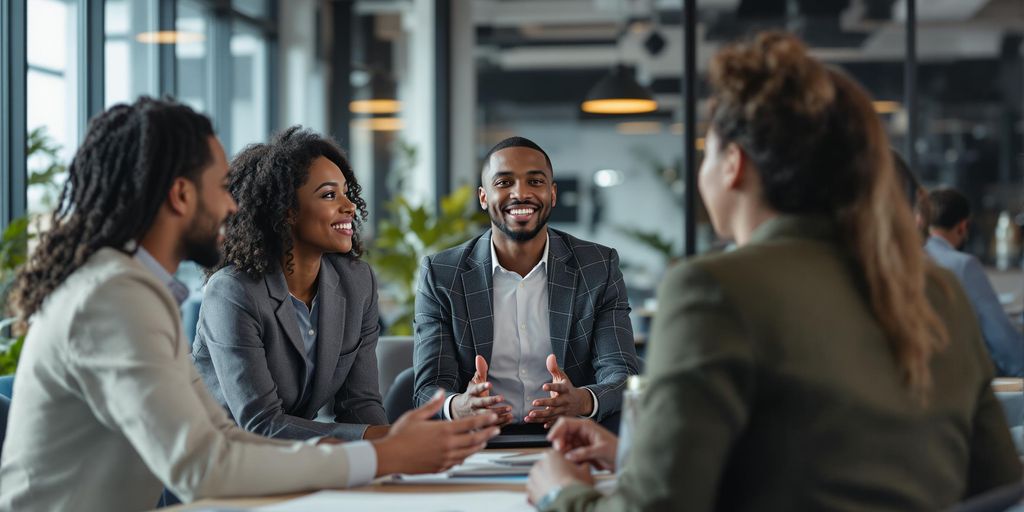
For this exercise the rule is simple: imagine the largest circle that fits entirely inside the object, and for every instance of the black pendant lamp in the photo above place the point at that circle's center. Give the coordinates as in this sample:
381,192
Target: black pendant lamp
619,93
376,97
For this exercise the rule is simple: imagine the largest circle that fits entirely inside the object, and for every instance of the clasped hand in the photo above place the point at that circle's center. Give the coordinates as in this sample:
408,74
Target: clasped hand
578,444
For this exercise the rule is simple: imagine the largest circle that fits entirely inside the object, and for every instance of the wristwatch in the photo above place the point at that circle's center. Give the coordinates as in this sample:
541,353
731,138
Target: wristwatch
549,498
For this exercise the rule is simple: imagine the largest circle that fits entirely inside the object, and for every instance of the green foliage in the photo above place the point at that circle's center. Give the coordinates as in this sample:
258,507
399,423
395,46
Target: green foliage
653,240
13,253
413,232
43,155
10,350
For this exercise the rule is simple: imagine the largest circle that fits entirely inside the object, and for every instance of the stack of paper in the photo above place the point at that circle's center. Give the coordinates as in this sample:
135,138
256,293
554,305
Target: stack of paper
479,468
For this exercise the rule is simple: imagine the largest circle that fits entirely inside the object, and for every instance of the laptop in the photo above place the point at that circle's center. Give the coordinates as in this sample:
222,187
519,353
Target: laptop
521,435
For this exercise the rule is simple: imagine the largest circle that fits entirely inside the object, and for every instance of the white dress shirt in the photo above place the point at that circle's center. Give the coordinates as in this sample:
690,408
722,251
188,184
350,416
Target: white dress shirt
522,337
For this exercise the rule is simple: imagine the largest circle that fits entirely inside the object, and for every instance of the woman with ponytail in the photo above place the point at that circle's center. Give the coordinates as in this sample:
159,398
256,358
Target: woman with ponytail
824,364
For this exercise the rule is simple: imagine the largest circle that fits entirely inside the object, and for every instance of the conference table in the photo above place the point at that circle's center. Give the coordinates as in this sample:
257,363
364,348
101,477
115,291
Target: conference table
237,503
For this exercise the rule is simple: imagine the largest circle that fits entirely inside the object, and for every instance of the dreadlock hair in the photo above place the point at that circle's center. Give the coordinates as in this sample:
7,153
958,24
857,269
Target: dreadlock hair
117,182
264,181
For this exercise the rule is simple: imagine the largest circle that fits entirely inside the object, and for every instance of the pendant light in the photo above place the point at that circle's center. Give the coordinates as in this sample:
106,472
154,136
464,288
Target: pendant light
376,97
619,93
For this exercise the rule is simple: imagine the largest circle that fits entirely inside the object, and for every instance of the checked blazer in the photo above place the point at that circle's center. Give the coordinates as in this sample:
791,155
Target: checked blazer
591,334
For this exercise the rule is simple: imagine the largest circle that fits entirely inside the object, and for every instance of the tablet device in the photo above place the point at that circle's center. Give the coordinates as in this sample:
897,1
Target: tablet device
521,435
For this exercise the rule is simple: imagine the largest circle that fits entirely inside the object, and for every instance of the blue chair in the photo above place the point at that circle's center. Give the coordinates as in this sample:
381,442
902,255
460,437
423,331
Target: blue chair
190,316
5,406
399,397
7,385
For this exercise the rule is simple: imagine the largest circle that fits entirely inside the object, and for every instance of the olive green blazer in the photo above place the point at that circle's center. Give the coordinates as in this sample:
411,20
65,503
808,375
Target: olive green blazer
773,387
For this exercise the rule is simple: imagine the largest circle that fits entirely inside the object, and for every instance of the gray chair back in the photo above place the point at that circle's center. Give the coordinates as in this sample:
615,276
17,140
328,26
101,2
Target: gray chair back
394,354
399,397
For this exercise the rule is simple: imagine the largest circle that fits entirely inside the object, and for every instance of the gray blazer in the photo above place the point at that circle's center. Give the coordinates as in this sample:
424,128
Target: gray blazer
249,352
591,335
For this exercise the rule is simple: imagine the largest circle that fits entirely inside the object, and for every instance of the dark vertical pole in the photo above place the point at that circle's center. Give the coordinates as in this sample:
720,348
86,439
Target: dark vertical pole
13,68
910,84
442,99
339,90
690,127
91,38
273,81
220,72
166,20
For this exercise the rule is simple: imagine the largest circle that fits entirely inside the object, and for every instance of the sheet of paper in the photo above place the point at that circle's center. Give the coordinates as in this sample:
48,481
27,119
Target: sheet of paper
478,468
333,501
446,479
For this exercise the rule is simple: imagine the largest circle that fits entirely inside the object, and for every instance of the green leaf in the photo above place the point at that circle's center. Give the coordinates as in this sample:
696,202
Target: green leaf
652,240
9,357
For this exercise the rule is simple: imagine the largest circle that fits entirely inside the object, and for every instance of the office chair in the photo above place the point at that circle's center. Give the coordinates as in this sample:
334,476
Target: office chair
5,406
394,354
399,397
7,386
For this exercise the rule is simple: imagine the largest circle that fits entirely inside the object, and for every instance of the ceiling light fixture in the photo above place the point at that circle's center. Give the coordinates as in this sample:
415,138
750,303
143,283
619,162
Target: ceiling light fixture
378,124
377,96
169,37
619,93
887,107
375,106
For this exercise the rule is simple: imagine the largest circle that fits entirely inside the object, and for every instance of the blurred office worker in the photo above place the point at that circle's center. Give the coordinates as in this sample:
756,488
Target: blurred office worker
948,229
289,324
525,320
110,408
826,363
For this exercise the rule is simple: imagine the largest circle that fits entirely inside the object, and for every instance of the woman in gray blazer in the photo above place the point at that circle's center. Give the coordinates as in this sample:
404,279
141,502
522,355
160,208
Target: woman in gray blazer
288,327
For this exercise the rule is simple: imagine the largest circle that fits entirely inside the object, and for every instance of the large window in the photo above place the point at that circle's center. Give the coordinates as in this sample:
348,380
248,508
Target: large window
84,55
249,95
131,50
223,68
193,55
52,106
216,59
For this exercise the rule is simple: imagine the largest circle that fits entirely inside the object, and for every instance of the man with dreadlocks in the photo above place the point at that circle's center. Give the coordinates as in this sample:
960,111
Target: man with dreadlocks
110,408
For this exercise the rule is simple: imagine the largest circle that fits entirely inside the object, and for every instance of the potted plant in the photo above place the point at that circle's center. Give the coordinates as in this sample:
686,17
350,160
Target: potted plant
46,172
413,232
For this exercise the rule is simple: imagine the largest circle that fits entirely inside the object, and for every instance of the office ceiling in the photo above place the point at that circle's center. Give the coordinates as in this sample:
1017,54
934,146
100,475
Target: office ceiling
551,51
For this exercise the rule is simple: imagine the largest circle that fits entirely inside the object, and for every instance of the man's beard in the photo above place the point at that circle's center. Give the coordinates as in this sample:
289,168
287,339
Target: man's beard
521,236
200,243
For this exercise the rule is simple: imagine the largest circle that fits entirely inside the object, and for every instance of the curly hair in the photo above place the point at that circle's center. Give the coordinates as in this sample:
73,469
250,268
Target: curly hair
264,181
819,148
116,183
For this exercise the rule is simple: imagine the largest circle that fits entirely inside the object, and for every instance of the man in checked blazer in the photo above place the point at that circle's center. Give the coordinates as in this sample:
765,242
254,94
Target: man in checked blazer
523,320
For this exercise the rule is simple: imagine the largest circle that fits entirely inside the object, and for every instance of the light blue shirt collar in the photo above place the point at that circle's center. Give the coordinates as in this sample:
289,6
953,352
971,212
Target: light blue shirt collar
941,242
178,289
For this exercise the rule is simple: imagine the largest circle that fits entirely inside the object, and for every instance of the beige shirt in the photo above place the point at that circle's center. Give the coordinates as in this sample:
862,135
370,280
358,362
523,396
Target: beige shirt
110,410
